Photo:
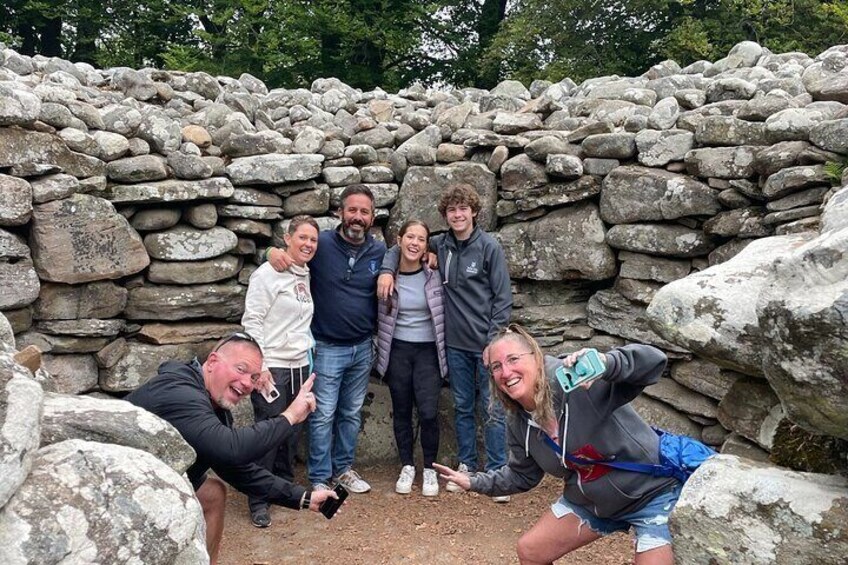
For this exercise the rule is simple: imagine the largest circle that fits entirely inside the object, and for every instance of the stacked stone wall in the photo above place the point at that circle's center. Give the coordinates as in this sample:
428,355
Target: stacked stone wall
136,203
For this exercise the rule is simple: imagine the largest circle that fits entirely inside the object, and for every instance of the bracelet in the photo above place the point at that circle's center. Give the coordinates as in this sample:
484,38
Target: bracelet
306,501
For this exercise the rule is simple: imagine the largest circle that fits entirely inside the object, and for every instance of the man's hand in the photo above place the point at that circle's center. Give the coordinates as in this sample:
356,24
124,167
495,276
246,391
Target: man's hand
319,496
279,259
449,474
266,380
385,286
303,404
431,259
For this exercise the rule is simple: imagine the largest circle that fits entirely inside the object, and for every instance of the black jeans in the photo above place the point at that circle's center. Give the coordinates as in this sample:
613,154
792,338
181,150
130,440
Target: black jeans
414,380
279,461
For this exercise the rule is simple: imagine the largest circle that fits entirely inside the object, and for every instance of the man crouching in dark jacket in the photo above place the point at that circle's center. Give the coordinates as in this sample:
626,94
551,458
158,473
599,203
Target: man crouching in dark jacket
197,400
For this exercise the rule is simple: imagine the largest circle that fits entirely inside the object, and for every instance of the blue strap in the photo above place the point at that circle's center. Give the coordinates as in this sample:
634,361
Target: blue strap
647,468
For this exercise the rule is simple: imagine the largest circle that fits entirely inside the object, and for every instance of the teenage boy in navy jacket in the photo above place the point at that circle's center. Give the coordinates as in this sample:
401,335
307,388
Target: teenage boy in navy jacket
479,303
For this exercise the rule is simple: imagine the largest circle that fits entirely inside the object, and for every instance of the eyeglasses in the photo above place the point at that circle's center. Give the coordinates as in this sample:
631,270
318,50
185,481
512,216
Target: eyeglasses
350,263
496,368
235,336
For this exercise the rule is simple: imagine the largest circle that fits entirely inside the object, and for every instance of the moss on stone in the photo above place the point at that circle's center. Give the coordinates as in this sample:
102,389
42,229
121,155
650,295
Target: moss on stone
798,449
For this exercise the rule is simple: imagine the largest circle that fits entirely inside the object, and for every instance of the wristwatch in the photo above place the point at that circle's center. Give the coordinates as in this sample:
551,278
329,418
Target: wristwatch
306,500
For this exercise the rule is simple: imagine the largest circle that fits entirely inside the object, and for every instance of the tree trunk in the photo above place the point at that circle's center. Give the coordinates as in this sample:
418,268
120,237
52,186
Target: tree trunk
491,16
51,38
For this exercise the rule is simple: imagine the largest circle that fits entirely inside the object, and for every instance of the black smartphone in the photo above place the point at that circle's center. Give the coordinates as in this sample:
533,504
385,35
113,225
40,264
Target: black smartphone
330,506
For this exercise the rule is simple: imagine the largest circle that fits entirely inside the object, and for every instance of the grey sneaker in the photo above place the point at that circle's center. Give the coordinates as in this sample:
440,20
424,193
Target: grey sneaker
404,482
501,499
431,483
452,486
320,486
353,482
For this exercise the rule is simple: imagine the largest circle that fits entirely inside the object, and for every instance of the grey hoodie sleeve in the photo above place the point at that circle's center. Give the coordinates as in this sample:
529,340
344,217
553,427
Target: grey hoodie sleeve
391,260
629,370
501,292
520,474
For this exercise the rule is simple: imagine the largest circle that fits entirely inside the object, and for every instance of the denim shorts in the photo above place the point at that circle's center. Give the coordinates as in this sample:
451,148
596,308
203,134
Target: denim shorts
649,523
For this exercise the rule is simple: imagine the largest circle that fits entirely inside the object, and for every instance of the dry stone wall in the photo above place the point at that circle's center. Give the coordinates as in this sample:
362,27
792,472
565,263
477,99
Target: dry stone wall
136,204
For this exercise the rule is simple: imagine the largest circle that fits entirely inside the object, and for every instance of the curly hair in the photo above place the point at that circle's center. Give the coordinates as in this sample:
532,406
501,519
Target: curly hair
457,195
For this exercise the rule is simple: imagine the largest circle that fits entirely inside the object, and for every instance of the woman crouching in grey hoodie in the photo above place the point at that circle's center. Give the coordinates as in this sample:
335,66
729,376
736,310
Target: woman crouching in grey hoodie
594,421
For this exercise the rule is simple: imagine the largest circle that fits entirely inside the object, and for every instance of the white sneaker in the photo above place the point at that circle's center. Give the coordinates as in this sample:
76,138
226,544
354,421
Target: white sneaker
404,482
353,482
431,483
452,486
501,499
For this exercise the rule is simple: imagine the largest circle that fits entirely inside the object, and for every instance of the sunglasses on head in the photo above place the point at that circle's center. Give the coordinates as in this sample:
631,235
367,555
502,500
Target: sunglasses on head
235,336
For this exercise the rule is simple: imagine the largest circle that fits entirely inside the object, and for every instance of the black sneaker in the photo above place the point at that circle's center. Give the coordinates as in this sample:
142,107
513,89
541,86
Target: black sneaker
260,518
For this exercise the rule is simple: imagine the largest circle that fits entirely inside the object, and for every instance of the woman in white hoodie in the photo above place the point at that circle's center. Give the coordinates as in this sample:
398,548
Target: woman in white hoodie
277,314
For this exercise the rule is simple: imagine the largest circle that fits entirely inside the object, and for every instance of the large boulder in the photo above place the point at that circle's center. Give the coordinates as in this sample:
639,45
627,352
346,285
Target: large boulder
100,299
423,186
633,194
171,190
566,244
738,512
802,312
19,284
20,416
86,502
81,239
136,363
612,313
161,302
713,312
185,243
24,147
274,169
113,421
667,240
16,206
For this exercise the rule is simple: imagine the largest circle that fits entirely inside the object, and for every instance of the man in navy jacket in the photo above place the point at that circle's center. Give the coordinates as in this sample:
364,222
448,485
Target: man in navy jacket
343,275
196,399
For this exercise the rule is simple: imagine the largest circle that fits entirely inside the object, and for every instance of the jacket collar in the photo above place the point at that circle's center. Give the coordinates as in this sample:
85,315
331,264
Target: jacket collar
455,243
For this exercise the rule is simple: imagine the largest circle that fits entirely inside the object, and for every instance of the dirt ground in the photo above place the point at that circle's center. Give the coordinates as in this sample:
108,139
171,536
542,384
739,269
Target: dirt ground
384,527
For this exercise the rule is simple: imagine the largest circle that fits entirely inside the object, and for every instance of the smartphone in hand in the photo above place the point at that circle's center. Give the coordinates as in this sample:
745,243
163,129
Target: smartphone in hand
270,394
589,366
330,506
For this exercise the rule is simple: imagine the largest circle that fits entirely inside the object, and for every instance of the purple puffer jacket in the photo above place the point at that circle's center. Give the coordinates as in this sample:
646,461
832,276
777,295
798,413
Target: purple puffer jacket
387,318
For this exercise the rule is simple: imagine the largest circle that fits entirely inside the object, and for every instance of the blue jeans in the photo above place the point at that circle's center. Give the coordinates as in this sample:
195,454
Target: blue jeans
649,523
341,381
469,382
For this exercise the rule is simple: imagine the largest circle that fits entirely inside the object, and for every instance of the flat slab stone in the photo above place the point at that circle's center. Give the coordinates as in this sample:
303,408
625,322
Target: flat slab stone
194,272
22,147
185,243
186,332
160,302
100,299
274,169
666,240
169,191
139,361
614,314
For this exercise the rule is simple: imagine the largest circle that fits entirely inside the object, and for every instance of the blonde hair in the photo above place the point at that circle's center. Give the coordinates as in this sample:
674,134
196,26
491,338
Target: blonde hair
543,397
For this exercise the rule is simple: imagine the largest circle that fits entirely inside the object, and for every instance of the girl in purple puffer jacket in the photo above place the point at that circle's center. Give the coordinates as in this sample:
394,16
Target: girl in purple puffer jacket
411,354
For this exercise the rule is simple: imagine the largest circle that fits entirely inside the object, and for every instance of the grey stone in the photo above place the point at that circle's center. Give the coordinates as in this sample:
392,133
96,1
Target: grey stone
202,216
612,313
53,187
70,374
659,239
759,108
255,197
635,290
713,312
16,206
377,138
792,124
831,135
785,216
682,398
101,299
543,250
658,148
57,514
189,166
155,219
122,120
61,344
690,120
194,272
739,511
751,409
363,154
564,166
511,123
86,327
82,239
312,202
690,98
221,301
171,190
742,222
631,194
704,377
599,167
309,140
827,79
79,141
522,173
274,169
741,447
482,138
188,332
137,169
645,267
18,106
610,145
159,130
114,422
184,243
722,89
664,416
341,176
722,162
262,213
540,148
383,174
730,130
770,160
793,179
21,399
246,144
664,114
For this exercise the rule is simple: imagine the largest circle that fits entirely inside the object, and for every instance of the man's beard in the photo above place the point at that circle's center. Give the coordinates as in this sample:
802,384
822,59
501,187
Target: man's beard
225,404
355,231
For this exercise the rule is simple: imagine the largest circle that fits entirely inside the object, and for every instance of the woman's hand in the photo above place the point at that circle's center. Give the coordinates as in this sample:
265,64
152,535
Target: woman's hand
449,474
571,359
